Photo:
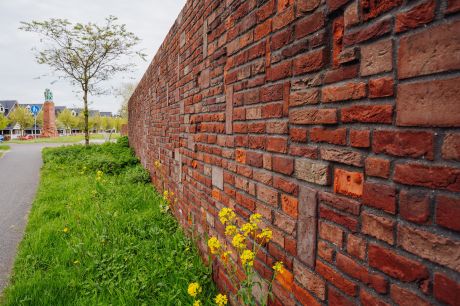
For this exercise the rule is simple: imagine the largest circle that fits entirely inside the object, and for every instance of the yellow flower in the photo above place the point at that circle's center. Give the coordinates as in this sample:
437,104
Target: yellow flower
248,228
239,241
221,300
255,218
265,235
194,289
247,258
231,230
66,229
225,255
226,215
197,303
278,267
165,193
214,245
157,164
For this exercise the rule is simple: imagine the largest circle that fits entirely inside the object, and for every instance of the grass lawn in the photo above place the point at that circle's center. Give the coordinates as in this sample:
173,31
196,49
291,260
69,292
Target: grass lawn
64,139
102,240
4,147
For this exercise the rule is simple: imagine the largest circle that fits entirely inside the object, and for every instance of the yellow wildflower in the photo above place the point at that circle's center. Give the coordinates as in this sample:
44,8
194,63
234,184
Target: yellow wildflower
194,289
197,303
239,241
265,235
278,267
247,258
255,218
248,228
214,245
226,215
231,230
225,255
157,164
221,300
66,229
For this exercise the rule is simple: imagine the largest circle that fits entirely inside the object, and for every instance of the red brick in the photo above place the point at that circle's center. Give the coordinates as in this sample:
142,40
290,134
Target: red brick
441,250
374,8
267,195
348,91
453,6
280,71
336,136
416,16
286,279
335,298
380,196
381,87
438,43
377,167
307,97
341,73
331,275
286,223
310,62
448,212
284,18
356,246
271,93
414,206
340,202
298,134
283,165
325,251
360,138
313,116
368,114
281,39
349,222
310,280
337,40
331,233
273,110
377,226
304,296
285,185
446,290
351,14
290,205
348,183
368,299
254,159
377,57
357,271
404,143
262,30
309,25
404,297
276,144
373,31
305,6
343,156
435,177
451,147
335,4
402,268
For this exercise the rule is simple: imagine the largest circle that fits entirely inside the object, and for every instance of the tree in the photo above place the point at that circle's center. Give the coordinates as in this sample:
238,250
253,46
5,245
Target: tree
66,119
86,54
3,122
125,92
22,116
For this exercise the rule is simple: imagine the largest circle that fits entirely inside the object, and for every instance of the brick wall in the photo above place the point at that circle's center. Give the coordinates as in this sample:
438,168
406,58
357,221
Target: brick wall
337,120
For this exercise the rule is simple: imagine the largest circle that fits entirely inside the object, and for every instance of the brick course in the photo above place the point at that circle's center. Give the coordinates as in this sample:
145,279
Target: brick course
338,121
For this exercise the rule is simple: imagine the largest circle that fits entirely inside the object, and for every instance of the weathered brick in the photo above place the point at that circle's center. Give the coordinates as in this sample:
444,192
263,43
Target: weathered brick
414,206
337,217
373,8
304,296
290,205
309,62
348,183
331,233
307,225
336,136
368,299
404,143
313,116
310,280
348,91
312,171
451,147
446,290
368,114
377,57
428,103
439,44
381,87
377,167
283,165
348,287
334,297
376,30
397,266
267,195
448,212
416,16
351,14
309,25
435,248
404,297
360,138
343,156
377,226
340,202
356,246
305,6
380,196
337,39
299,98
428,176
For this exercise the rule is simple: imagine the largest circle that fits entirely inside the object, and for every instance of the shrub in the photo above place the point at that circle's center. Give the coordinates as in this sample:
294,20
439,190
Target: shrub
123,141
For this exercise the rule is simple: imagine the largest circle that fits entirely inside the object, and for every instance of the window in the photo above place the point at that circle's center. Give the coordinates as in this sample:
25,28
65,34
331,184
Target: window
2,109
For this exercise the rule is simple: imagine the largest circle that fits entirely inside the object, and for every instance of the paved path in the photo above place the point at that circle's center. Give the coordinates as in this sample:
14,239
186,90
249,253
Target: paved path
19,176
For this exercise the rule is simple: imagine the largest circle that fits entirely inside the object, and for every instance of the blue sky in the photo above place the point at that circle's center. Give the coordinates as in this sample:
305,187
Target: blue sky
22,79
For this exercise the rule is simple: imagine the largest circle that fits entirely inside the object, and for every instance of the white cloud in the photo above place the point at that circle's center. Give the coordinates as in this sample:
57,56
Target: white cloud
148,19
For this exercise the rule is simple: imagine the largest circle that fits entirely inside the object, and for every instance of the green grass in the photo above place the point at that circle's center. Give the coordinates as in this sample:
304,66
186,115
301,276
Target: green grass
121,249
64,139
4,147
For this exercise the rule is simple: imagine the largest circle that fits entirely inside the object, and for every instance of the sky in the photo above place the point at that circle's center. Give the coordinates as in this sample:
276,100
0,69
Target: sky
23,79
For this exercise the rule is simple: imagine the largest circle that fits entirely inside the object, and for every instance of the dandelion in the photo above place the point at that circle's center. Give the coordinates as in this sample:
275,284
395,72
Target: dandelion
247,258
194,289
226,215
265,235
214,245
197,303
231,230
239,241
221,300
278,267
66,230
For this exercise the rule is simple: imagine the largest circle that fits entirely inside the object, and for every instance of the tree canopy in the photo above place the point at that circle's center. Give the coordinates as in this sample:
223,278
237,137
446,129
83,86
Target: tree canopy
22,116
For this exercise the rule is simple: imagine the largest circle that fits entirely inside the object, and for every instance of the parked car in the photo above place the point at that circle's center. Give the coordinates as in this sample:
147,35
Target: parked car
1,138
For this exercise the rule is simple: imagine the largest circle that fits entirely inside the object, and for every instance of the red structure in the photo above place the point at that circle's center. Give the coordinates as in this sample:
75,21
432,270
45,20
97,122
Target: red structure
337,120
49,120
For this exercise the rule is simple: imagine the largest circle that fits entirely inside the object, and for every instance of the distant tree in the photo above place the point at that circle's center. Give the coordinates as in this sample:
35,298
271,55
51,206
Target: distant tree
85,54
106,123
22,116
95,122
4,121
118,122
125,92
66,119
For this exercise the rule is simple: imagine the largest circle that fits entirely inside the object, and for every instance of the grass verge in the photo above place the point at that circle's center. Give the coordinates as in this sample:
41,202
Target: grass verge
102,239
4,147
64,139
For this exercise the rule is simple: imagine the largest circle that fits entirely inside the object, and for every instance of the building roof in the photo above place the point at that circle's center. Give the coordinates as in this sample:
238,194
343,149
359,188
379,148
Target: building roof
8,105
105,114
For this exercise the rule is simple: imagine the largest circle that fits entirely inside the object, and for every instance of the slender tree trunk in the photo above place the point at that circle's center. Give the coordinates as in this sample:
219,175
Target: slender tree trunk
86,115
